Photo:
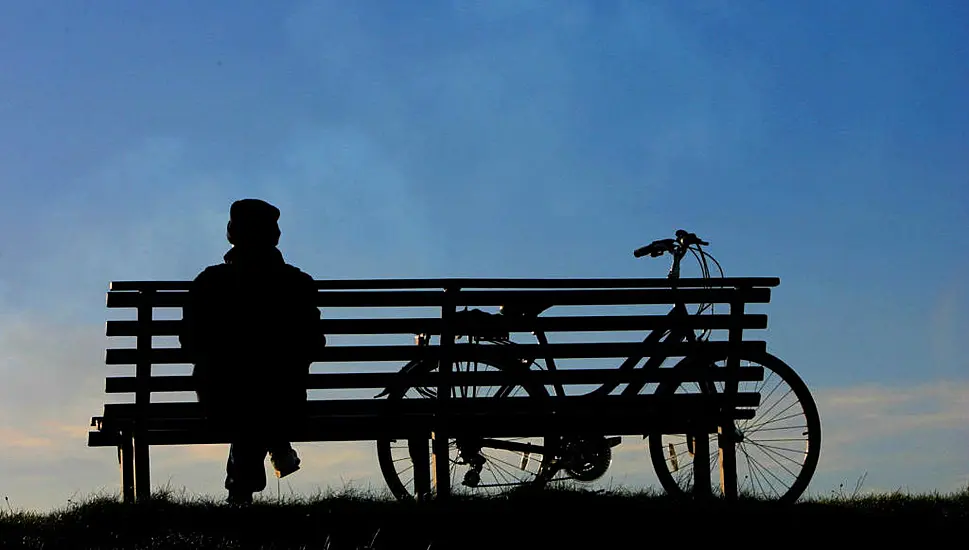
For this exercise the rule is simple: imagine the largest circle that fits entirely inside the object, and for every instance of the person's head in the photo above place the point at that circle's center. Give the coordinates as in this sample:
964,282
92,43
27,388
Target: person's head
253,222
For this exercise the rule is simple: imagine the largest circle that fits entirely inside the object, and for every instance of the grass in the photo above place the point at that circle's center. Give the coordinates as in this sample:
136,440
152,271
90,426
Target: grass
354,519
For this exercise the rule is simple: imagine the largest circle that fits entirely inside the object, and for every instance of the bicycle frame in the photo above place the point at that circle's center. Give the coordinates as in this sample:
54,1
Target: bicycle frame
654,336
633,387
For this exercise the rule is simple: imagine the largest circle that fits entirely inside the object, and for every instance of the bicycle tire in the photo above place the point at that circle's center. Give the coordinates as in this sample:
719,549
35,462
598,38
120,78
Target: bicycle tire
680,486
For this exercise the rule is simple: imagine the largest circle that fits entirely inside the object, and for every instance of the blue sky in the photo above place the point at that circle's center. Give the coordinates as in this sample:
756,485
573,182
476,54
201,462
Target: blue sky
824,143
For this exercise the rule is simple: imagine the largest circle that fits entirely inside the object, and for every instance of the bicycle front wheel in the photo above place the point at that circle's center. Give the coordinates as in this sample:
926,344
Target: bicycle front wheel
777,450
479,466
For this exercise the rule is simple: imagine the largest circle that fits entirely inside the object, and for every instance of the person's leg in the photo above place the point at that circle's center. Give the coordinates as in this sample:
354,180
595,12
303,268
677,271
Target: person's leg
245,470
289,412
282,455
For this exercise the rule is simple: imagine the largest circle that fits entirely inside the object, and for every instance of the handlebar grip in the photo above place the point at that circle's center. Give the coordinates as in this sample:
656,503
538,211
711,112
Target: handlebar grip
642,251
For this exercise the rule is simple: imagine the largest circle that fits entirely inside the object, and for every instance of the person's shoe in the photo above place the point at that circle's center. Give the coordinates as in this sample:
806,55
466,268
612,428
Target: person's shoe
237,498
286,463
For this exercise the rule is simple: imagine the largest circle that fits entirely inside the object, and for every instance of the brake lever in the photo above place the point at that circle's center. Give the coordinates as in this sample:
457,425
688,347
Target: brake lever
688,239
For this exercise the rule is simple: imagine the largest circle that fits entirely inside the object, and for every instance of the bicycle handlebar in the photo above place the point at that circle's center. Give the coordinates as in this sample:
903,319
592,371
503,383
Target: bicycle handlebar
657,248
678,248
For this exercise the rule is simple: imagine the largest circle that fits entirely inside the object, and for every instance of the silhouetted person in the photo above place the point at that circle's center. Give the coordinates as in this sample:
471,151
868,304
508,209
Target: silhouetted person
251,327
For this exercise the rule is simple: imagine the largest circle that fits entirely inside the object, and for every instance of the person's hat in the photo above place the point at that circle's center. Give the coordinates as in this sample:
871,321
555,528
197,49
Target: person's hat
253,210
252,220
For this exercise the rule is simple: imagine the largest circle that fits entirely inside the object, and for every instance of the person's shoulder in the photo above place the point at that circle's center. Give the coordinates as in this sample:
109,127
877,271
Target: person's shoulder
297,273
211,274
298,277
214,270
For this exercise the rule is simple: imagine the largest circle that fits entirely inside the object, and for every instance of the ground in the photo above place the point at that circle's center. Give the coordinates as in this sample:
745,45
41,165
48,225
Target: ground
566,519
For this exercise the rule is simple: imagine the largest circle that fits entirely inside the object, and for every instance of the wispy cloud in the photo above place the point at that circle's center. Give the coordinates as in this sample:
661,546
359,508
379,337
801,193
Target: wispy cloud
885,410
913,437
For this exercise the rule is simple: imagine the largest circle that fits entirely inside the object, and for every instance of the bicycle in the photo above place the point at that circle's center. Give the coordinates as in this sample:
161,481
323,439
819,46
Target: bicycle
538,461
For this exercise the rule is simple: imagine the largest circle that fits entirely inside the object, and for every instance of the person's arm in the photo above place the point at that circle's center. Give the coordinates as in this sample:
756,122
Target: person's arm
187,335
196,317
315,339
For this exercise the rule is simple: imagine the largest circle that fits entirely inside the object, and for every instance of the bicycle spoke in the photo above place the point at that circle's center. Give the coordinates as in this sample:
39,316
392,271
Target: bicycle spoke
769,409
759,389
494,468
752,471
794,427
776,449
771,392
773,419
771,473
763,383
770,455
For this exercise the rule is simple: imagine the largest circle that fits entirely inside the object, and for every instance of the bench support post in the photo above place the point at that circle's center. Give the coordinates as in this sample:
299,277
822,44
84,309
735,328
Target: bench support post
442,461
127,461
143,394
728,448
701,463
142,474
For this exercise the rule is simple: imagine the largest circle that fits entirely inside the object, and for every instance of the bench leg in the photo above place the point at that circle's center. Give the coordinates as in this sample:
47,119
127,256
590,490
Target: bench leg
142,471
442,465
728,450
728,463
126,458
420,454
701,465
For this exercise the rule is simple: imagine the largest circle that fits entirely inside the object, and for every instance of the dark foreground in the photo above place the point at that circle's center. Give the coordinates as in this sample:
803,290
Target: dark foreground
568,519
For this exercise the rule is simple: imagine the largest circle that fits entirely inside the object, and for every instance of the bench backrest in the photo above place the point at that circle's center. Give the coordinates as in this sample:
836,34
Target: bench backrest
445,298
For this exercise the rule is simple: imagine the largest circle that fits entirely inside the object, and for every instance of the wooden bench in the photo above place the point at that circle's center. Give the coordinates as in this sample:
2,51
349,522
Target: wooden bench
135,426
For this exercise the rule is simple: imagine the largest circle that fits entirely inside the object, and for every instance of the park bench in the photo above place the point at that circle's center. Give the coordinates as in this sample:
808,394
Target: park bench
455,306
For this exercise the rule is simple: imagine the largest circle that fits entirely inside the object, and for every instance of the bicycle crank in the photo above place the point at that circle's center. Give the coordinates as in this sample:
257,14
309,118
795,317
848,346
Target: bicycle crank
588,459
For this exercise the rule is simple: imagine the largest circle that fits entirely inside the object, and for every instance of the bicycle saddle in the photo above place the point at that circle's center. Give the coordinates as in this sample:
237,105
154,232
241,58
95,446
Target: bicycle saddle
481,324
523,309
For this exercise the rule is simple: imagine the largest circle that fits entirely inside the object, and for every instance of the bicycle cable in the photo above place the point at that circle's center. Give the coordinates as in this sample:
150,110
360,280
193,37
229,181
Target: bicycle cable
705,272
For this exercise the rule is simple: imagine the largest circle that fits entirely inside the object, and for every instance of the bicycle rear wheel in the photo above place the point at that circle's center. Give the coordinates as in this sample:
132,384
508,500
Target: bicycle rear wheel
480,466
777,451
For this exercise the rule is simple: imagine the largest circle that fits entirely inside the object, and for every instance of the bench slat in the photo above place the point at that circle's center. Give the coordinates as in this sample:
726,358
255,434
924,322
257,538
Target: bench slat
352,380
363,428
586,404
613,297
430,325
388,284
473,352
421,298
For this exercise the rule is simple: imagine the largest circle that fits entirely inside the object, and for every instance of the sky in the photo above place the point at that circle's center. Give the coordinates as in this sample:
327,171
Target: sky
824,143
